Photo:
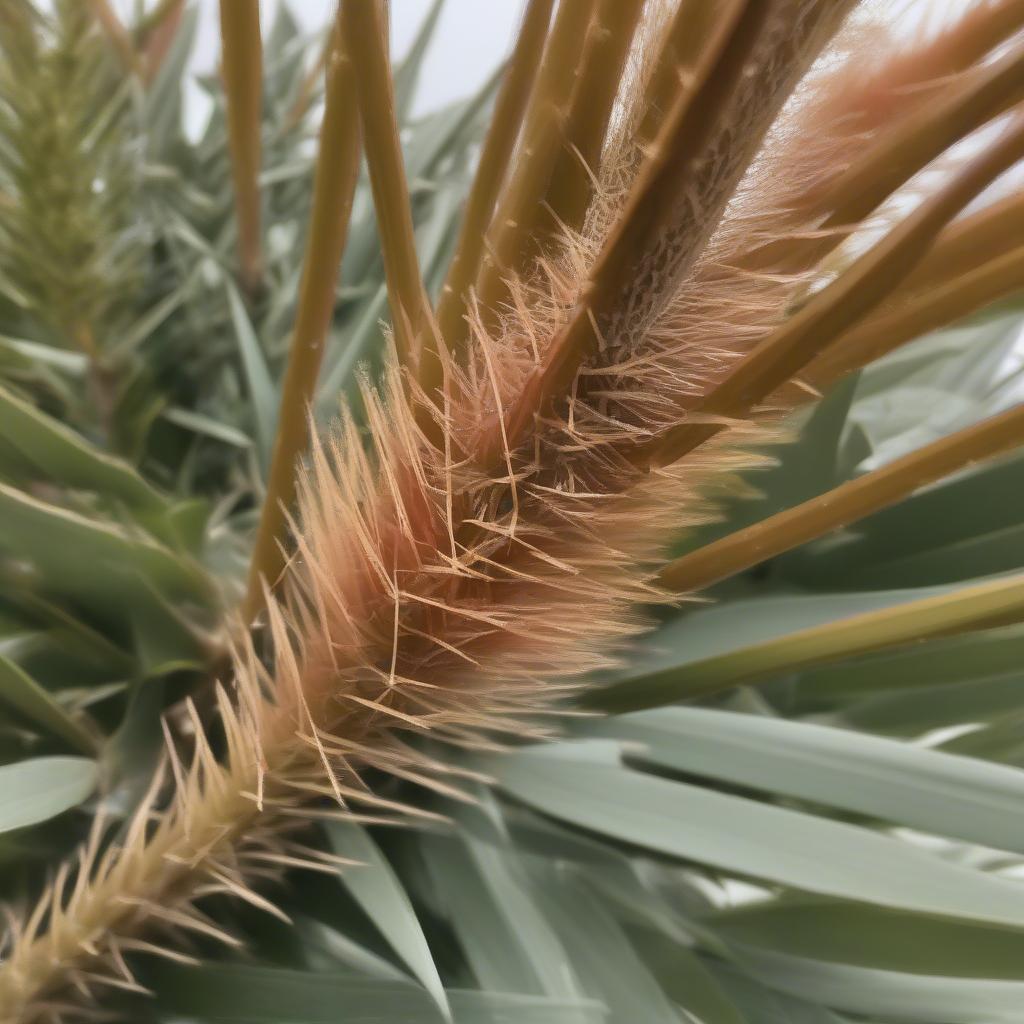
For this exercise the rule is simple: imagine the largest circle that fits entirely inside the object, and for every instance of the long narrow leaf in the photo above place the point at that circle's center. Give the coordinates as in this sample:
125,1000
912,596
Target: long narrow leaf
908,785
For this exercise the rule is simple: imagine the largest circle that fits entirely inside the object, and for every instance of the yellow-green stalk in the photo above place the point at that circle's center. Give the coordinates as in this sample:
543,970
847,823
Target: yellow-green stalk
242,70
543,135
334,182
490,173
364,26
845,504
967,609
783,355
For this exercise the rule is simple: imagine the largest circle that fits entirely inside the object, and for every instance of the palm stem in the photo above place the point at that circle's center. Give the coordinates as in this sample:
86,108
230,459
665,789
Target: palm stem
693,28
844,504
334,183
572,183
364,24
939,125
543,136
666,176
992,231
242,65
965,610
900,153
978,32
927,310
490,173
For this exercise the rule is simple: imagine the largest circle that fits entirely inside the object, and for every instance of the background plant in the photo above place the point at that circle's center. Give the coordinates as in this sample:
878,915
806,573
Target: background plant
607,877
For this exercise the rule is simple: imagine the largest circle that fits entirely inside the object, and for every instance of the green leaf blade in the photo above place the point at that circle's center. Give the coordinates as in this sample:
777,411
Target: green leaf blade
42,787
375,887
740,836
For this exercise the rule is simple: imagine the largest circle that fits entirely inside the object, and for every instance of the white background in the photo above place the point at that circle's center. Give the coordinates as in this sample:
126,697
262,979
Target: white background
472,36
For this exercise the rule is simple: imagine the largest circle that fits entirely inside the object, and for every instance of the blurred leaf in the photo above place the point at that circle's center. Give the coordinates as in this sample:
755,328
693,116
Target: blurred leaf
685,979
68,459
924,789
164,640
269,995
447,131
940,662
257,376
803,469
91,560
42,787
761,1005
892,994
985,554
23,693
133,752
917,539
915,711
375,887
147,323
1002,739
408,72
162,102
953,510
864,936
354,348
747,838
937,384
501,1008
198,423
26,354
600,953
505,934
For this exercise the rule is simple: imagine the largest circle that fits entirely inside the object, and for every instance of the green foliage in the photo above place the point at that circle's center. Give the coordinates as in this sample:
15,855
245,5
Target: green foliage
70,244
811,850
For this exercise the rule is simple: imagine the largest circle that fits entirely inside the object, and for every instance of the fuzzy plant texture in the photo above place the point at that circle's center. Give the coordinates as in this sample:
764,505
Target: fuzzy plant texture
557,559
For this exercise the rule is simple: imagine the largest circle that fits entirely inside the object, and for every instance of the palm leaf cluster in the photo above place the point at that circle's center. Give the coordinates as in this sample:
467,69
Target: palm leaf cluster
797,800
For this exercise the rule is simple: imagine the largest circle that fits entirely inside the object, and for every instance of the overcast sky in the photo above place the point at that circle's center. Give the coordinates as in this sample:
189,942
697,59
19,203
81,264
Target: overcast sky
472,37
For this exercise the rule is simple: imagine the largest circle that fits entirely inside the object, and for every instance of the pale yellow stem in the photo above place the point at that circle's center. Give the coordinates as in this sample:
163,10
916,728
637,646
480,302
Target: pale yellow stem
968,609
364,25
542,139
334,182
984,235
844,504
242,69
916,139
491,172
665,176
928,310
572,182
692,29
